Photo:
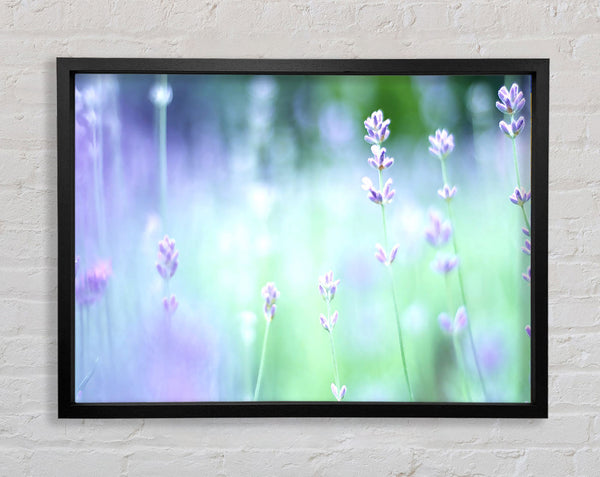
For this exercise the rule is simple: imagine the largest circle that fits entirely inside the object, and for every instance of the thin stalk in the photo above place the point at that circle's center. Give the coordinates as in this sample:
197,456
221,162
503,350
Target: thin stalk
457,351
461,360
333,358
86,379
525,217
262,361
385,242
396,314
516,161
461,284
400,342
161,114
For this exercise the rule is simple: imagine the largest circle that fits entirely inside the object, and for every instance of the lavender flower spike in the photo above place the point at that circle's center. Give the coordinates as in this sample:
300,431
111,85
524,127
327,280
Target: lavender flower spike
379,160
511,102
383,257
338,394
328,286
90,286
520,196
329,324
447,192
167,260
377,129
170,305
514,128
527,247
527,275
438,233
442,143
384,196
528,330
444,263
270,293
453,326
460,320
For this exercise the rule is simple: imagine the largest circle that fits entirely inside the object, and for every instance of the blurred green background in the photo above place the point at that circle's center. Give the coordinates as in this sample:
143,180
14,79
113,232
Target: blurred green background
264,176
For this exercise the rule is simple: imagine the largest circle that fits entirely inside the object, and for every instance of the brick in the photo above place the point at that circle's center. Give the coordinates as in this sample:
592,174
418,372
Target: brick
574,312
575,389
578,279
548,462
467,462
166,461
575,351
62,462
587,461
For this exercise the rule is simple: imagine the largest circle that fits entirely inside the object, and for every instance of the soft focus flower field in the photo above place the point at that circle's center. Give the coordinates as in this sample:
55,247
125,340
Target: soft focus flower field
302,238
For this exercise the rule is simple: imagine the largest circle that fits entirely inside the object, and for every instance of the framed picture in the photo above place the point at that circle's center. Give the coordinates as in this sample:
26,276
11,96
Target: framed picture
302,237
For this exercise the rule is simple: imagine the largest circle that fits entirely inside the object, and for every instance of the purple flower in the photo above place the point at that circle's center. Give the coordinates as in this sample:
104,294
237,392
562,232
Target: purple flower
383,257
170,305
527,247
384,196
527,275
388,193
511,102
377,129
328,286
379,160
375,196
90,286
444,263
447,192
520,196
328,324
270,294
514,128
525,231
442,143
438,233
338,394
528,330
167,260
456,325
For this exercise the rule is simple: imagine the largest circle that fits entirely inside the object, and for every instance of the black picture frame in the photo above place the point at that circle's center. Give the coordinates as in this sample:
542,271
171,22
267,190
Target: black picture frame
66,70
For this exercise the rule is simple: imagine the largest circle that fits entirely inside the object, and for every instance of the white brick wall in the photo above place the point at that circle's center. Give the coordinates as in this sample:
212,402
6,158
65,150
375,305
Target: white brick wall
34,442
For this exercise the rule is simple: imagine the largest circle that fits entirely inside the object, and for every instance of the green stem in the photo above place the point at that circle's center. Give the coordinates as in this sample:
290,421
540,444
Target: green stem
399,329
262,362
516,161
396,314
457,351
333,358
461,362
385,240
461,284
444,173
525,217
